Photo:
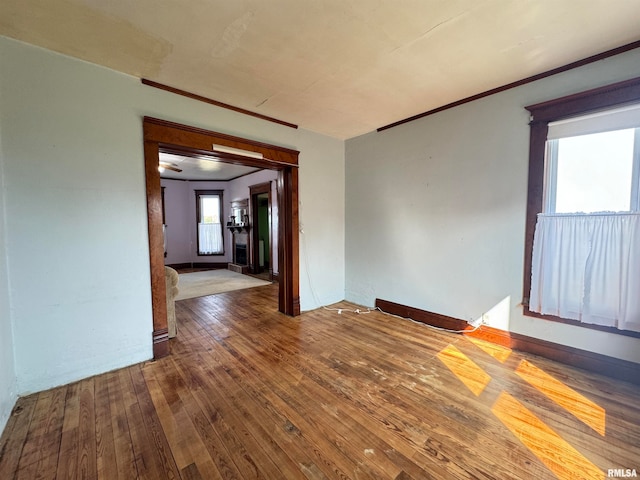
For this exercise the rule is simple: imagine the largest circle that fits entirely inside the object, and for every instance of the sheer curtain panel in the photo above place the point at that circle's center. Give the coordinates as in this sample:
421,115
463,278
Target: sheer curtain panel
587,268
209,238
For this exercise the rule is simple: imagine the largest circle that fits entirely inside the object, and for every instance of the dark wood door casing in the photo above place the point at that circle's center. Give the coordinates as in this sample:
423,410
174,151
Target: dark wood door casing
161,134
254,191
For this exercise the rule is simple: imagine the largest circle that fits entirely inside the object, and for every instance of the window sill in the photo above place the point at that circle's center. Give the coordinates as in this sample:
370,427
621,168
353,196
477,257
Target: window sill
575,323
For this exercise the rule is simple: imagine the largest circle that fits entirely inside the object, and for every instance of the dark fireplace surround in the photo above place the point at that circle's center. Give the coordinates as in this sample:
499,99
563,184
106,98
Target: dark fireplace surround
240,254
240,263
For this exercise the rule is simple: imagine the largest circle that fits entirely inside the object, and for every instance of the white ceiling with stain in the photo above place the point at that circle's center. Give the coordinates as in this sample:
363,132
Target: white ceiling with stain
337,67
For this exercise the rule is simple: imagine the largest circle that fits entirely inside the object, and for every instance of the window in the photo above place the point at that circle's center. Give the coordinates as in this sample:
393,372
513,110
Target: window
582,255
209,215
592,165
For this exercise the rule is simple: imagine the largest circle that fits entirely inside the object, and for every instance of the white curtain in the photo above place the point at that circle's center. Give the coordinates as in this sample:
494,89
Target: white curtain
586,267
209,238
164,237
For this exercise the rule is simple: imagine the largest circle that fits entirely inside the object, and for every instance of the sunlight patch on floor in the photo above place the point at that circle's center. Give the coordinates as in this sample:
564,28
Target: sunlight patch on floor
558,455
467,371
552,450
578,405
498,352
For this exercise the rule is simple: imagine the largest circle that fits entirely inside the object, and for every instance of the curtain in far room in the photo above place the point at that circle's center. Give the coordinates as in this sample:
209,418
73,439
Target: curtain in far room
209,214
209,238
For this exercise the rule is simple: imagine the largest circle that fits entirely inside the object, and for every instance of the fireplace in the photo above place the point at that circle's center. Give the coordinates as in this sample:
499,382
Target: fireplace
240,263
240,254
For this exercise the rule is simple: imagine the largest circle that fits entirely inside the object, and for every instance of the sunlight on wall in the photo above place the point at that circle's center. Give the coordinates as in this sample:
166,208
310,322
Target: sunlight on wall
499,315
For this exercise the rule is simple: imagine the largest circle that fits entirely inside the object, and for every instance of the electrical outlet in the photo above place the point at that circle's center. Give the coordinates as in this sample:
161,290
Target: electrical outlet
477,322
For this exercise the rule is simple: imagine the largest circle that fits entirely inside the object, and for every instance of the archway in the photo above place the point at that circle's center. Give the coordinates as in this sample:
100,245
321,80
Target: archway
161,134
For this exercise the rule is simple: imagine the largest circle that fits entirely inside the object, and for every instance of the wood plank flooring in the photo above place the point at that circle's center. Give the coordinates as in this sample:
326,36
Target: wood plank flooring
248,393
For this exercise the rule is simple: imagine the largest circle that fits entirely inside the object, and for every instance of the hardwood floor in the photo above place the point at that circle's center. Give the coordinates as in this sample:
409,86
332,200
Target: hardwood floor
248,393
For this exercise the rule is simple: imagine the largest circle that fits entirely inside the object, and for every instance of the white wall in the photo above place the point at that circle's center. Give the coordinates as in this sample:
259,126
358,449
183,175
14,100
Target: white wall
76,209
180,215
322,218
179,237
8,383
436,208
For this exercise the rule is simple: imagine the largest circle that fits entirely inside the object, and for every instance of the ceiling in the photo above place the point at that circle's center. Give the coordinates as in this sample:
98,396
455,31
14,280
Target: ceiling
337,67
201,168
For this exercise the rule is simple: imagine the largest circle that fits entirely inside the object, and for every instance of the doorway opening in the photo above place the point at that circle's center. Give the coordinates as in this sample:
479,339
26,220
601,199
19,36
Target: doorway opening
163,135
261,237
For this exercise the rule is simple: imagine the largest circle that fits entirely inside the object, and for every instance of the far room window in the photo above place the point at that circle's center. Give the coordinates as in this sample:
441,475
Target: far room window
582,260
209,215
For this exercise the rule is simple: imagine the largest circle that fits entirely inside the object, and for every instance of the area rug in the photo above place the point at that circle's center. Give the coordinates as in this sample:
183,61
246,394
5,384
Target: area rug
210,282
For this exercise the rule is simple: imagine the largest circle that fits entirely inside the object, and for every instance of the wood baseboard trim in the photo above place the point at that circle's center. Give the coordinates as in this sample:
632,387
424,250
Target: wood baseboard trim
178,266
595,362
212,265
160,343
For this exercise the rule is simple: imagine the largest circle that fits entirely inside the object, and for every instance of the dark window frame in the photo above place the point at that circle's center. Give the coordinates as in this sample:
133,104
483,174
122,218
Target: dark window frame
603,98
204,193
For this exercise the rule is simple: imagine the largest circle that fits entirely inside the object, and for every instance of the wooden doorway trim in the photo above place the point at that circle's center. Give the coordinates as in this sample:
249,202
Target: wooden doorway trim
161,134
254,191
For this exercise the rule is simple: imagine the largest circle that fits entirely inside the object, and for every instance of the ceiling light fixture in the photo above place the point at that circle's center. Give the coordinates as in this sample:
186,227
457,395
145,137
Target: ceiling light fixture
236,151
168,166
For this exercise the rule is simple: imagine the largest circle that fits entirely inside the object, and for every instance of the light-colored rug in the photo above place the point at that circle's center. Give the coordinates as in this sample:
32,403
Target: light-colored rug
210,282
